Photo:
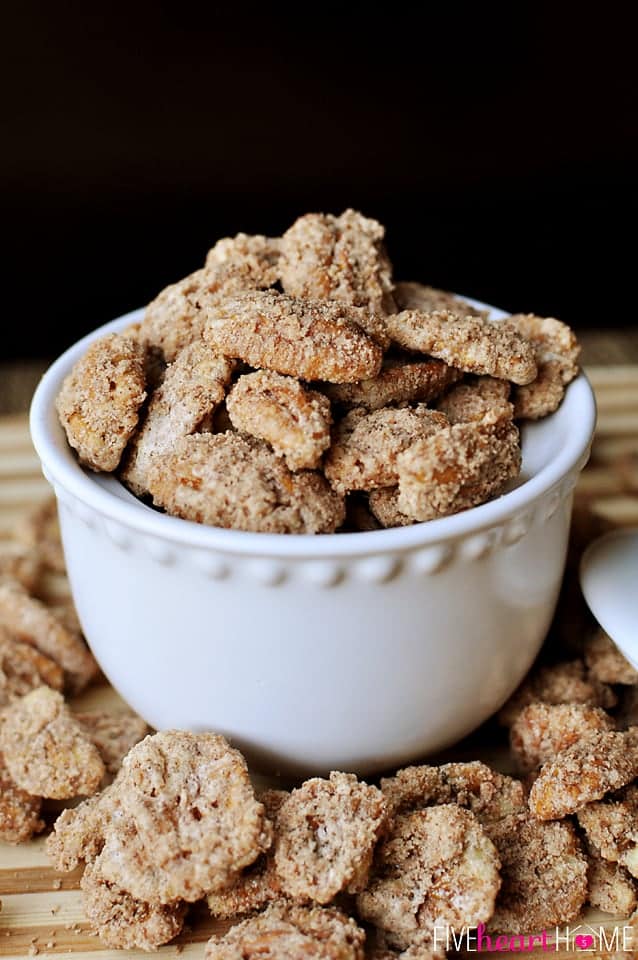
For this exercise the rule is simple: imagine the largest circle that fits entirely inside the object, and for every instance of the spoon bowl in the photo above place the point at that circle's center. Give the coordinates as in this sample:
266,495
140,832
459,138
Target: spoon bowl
609,580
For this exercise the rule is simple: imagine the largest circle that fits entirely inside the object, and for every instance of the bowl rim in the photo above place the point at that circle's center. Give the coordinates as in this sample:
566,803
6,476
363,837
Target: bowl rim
66,473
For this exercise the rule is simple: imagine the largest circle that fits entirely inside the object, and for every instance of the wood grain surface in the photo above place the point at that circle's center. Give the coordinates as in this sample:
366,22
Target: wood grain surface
42,910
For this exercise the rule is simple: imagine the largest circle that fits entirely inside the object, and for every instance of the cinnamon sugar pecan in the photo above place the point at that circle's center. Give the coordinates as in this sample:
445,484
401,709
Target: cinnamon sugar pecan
543,730
488,794
436,868
456,468
289,932
556,351
366,446
99,402
402,379
610,887
293,419
337,258
123,922
611,827
482,400
469,343
30,621
181,819
258,885
582,773
544,874
232,481
254,254
113,734
326,834
23,668
309,339
566,682
44,748
194,385
78,833
19,811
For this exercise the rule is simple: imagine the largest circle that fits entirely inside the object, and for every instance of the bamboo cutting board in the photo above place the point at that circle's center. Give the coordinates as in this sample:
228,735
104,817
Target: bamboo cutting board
42,910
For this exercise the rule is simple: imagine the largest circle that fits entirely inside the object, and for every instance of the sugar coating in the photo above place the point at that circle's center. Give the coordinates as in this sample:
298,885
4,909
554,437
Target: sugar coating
39,530
326,834
289,932
366,446
543,730
544,874
228,480
78,833
483,400
473,344
293,419
582,773
566,682
31,622
99,402
173,320
258,885
193,386
338,258
45,750
610,887
113,734
123,922
456,468
181,820
402,379
418,296
19,811
384,506
257,255
436,868
23,668
605,662
309,339
489,795
611,827
556,351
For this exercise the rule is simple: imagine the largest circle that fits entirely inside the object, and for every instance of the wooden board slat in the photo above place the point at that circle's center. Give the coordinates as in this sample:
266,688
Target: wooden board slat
601,376
42,910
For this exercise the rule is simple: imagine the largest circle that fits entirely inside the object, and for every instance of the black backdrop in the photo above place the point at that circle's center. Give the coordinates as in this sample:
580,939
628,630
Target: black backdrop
498,144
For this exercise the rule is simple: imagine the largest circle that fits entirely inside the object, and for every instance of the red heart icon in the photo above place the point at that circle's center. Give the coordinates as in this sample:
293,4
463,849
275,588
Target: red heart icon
583,942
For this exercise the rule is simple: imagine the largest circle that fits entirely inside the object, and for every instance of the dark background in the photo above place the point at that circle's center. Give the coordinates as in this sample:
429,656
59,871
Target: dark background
498,145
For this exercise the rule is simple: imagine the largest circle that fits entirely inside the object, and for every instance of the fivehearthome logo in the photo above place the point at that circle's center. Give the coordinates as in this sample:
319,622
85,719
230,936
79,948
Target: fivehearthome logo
584,938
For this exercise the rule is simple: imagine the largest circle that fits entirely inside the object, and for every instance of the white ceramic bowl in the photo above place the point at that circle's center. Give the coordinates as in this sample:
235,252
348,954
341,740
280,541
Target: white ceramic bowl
345,651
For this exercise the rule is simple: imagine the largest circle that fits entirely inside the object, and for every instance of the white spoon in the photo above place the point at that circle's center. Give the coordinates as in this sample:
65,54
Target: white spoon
609,579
